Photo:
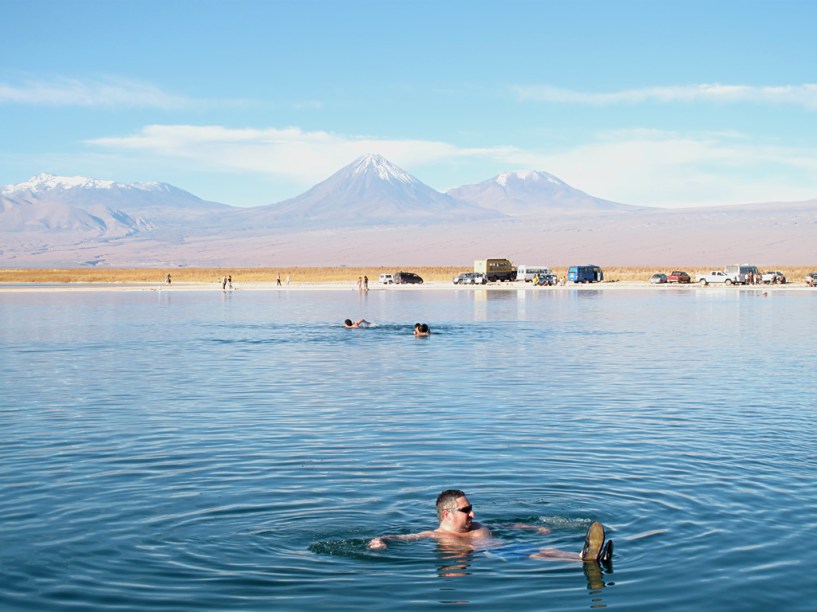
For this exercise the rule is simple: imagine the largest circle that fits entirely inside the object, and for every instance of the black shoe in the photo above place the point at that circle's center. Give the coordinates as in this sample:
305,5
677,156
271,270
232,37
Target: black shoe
593,542
607,553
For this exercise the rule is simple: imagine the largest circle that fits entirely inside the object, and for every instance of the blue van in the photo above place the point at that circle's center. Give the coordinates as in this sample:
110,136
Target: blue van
585,274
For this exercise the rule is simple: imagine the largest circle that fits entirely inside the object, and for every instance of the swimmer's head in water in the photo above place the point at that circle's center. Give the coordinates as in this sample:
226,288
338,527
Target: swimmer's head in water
424,328
348,322
447,500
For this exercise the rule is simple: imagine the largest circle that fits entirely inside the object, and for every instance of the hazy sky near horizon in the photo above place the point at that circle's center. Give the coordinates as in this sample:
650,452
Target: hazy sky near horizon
663,103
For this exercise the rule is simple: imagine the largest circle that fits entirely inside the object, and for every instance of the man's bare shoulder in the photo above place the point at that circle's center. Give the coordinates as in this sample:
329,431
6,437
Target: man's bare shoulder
477,532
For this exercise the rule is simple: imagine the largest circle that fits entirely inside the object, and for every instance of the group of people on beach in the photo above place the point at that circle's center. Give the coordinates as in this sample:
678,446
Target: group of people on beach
363,283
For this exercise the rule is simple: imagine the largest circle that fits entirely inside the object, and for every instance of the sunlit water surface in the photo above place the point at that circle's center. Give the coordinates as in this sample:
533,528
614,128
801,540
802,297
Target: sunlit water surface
208,450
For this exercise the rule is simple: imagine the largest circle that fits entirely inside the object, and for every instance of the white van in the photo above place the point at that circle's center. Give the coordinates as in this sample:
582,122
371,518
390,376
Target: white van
741,274
526,273
387,279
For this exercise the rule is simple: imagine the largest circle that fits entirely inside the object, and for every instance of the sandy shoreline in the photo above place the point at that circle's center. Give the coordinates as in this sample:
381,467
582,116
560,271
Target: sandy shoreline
375,287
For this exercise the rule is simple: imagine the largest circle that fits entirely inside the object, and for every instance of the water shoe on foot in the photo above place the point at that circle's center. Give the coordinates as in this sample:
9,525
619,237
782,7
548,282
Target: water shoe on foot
593,542
607,554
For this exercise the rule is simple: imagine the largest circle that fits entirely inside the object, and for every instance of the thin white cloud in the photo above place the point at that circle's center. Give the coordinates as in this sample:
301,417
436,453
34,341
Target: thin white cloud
295,154
98,93
802,95
643,167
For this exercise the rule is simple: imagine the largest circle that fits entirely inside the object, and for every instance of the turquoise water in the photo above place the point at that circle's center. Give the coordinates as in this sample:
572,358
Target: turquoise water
202,450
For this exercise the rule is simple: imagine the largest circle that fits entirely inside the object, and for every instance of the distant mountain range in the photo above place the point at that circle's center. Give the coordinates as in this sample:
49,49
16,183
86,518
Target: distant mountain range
373,212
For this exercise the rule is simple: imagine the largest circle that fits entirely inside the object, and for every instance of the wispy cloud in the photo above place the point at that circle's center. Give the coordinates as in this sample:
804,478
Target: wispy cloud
647,167
802,95
298,155
98,93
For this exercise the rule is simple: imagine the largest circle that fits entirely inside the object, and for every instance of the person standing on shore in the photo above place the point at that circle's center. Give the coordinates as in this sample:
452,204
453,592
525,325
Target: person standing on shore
167,280
278,280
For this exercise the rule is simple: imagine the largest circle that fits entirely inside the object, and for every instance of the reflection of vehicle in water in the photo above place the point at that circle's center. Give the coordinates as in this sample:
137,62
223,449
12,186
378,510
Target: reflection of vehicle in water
495,269
470,278
585,274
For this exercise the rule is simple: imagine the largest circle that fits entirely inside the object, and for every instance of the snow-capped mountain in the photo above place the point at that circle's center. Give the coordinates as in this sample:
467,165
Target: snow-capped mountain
531,193
370,191
83,192
92,207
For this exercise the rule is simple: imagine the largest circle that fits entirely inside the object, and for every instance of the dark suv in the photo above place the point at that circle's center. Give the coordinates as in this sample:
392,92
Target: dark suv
407,278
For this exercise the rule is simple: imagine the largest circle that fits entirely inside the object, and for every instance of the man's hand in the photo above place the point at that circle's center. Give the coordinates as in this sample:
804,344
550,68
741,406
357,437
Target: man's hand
377,544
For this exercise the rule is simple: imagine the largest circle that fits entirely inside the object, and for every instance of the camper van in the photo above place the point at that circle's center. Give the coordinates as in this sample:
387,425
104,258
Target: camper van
741,274
528,273
495,269
585,274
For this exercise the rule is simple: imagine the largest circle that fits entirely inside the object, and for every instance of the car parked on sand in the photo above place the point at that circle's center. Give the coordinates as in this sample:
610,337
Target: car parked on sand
547,280
774,277
811,279
387,279
658,279
407,278
715,276
677,276
470,278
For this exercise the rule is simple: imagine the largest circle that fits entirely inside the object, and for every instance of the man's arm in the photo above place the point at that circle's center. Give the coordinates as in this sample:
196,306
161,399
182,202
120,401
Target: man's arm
380,542
537,528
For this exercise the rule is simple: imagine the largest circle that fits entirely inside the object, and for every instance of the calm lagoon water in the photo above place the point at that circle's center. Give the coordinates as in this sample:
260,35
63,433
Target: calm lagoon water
200,450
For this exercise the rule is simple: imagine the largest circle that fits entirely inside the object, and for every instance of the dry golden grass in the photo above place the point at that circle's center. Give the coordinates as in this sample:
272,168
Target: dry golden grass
317,274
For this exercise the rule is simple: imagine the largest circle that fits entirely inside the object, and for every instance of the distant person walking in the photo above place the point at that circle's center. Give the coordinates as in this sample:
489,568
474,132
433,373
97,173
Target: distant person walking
167,280
278,280
365,283
230,281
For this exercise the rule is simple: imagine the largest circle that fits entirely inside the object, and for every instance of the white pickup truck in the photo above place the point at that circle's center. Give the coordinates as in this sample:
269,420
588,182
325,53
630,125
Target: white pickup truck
715,276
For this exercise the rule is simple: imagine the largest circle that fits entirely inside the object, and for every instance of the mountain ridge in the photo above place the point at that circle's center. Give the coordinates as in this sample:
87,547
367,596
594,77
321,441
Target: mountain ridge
373,212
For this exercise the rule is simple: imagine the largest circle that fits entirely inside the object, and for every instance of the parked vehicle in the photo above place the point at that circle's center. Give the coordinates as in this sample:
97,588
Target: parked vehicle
585,274
658,279
774,277
407,278
547,280
387,279
470,278
527,273
677,276
495,269
715,277
811,279
742,274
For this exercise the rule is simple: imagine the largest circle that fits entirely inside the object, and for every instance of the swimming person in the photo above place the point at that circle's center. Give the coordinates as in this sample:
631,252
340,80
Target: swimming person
359,323
458,527
421,329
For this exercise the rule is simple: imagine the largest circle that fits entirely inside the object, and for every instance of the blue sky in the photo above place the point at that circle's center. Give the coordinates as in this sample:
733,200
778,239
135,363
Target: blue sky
664,103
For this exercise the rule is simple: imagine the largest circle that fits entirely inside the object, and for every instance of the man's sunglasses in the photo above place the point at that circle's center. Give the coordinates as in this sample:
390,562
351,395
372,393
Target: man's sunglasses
465,510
